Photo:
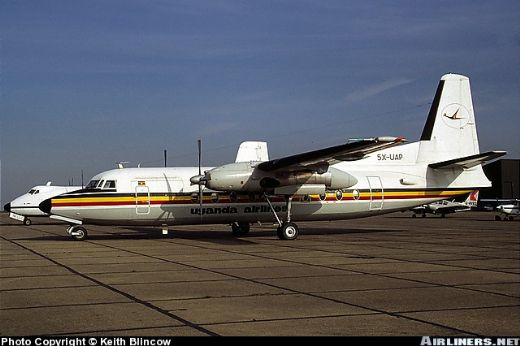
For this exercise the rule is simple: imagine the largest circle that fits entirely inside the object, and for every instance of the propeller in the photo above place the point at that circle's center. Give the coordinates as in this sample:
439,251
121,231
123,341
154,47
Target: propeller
200,175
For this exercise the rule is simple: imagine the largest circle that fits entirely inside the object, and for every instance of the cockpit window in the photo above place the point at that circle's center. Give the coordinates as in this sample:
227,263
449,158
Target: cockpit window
109,184
32,191
92,184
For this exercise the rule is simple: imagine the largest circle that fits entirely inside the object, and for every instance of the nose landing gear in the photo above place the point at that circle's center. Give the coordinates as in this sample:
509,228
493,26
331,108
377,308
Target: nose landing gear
77,232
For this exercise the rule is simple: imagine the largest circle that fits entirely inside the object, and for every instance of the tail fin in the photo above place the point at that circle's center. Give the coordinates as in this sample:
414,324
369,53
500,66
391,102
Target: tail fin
472,199
252,151
450,130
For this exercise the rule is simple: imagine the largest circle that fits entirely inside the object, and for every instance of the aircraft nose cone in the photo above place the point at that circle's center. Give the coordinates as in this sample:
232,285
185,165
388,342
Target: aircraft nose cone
7,207
45,206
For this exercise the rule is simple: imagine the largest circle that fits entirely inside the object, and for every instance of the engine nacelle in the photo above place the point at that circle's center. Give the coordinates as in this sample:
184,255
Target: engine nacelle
231,177
244,176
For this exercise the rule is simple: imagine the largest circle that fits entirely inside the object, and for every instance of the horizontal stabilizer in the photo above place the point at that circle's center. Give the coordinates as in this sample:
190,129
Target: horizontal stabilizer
468,161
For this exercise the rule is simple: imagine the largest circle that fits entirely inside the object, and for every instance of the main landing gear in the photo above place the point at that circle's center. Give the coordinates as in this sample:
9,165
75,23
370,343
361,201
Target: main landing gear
286,230
77,232
239,229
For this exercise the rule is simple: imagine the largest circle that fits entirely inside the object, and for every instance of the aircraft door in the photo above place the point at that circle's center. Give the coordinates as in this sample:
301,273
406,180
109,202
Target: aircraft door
376,193
142,200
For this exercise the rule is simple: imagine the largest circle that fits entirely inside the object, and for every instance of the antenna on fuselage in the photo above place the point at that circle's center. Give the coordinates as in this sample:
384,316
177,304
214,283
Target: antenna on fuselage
120,165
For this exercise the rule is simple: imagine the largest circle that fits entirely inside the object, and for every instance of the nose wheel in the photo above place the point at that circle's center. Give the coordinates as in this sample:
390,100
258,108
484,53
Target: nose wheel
77,232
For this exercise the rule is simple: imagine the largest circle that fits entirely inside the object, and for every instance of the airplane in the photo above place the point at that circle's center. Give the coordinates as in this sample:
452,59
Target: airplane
510,211
28,204
447,207
359,178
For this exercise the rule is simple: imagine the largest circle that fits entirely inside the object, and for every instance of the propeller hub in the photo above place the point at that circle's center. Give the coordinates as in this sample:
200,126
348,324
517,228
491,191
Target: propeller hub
198,179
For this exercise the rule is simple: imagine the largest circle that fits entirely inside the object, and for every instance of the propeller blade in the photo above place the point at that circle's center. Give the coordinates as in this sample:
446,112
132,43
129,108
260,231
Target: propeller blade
200,154
200,173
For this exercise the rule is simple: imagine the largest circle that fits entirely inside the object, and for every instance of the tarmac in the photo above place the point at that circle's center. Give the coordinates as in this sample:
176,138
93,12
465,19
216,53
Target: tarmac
386,275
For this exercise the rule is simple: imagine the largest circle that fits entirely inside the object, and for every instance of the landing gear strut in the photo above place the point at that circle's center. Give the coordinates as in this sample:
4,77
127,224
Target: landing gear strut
77,232
286,230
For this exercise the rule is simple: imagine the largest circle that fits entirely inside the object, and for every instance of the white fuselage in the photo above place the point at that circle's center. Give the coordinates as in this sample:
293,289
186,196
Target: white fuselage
28,203
510,209
388,180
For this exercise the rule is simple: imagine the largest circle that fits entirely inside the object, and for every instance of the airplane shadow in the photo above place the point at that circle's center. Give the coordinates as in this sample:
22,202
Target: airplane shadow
213,236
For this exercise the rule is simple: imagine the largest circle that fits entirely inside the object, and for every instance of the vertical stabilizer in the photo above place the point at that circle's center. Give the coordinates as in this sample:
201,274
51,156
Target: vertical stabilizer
450,130
252,151
472,199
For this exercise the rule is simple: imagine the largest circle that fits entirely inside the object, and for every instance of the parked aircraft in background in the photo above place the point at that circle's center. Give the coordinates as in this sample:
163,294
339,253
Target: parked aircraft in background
358,179
510,211
28,204
447,207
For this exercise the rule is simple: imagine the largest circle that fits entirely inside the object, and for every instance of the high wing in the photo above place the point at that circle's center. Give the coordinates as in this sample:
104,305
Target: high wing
345,152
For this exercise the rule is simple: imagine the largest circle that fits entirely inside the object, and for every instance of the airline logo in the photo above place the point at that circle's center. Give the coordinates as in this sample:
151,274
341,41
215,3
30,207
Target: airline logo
455,115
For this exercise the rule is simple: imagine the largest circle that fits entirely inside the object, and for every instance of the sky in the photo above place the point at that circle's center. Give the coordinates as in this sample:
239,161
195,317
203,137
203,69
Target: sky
86,84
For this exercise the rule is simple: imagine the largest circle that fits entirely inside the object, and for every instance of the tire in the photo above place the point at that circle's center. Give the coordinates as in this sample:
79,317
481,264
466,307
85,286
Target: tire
240,229
497,218
288,231
81,233
27,222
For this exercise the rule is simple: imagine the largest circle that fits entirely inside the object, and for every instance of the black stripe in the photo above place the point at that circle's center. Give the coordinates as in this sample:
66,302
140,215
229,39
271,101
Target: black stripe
428,127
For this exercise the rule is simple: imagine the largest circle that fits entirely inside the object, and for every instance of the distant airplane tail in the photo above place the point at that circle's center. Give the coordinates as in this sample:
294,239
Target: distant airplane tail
472,199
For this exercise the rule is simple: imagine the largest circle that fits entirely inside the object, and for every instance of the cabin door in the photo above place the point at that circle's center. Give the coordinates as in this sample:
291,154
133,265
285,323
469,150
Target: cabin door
142,200
376,193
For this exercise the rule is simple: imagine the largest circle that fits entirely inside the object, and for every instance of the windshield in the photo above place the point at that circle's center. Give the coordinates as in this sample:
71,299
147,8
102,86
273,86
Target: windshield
109,184
92,184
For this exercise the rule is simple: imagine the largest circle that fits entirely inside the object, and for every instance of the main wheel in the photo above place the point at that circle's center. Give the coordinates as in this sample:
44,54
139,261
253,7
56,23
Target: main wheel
27,221
288,231
79,233
239,229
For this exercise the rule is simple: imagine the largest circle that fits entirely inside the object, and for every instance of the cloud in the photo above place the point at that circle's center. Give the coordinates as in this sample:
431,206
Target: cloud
375,89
